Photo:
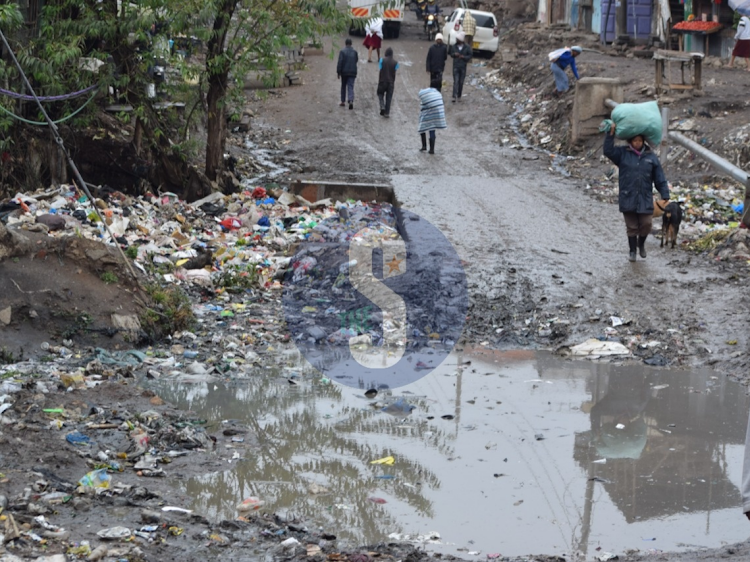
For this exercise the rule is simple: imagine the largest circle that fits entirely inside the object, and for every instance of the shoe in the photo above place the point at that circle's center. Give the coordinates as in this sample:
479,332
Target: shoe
382,112
641,246
454,100
424,142
351,105
632,242
342,104
432,146
631,256
386,115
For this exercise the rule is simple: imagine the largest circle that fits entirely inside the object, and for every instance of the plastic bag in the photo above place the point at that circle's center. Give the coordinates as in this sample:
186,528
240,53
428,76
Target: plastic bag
556,54
634,119
96,479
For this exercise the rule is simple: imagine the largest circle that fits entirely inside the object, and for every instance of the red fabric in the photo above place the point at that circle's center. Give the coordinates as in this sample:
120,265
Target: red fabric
373,41
742,49
259,193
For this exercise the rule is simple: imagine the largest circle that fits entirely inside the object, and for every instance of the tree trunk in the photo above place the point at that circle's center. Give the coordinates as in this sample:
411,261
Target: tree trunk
216,125
218,79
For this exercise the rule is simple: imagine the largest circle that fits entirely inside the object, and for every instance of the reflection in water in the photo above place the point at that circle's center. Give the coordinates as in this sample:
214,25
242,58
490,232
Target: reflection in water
307,435
665,436
627,454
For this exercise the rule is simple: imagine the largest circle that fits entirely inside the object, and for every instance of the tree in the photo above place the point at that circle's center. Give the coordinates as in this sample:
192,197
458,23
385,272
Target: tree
243,36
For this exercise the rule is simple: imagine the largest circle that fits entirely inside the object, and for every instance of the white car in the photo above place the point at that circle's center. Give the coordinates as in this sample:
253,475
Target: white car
486,38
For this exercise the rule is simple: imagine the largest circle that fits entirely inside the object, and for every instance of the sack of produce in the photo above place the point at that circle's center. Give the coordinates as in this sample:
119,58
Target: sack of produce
634,119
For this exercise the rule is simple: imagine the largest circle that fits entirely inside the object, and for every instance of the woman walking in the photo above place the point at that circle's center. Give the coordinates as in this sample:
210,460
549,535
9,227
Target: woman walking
373,37
640,170
431,116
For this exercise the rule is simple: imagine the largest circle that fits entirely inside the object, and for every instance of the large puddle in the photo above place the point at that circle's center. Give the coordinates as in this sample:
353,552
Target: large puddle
506,452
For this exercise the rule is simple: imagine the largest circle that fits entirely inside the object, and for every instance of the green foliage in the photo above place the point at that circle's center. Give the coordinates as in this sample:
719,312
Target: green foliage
132,252
109,277
238,278
170,311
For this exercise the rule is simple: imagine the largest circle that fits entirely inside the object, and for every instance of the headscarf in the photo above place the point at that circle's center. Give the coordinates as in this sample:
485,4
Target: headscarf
576,48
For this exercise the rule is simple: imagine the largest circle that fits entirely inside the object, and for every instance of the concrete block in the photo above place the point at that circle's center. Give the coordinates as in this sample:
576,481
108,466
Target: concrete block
588,105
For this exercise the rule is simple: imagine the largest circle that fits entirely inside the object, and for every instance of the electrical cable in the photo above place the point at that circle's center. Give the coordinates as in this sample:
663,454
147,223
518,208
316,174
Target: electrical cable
44,123
61,144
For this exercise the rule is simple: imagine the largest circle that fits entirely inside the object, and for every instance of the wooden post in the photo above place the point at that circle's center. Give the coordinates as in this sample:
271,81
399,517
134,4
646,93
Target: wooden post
659,75
698,61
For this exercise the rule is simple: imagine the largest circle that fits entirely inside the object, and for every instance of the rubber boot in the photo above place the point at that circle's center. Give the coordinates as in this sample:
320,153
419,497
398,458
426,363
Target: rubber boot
641,246
424,142
432,146
632,242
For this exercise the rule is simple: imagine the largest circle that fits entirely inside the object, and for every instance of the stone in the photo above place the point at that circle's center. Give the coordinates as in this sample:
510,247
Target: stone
127,322
5,316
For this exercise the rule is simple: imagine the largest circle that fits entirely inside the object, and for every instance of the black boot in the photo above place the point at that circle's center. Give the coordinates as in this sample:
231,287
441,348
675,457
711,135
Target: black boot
641,247
432,146
424,142
632,241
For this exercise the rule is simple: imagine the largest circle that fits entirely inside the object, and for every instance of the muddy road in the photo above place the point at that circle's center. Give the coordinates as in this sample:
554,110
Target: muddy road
546,264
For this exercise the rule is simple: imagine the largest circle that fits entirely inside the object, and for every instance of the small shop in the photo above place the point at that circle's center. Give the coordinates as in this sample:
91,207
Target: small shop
702,26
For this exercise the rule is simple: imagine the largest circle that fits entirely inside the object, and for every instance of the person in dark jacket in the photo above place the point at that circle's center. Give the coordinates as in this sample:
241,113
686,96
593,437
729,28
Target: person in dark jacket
347,72
386,82
436,57
640,170
461,54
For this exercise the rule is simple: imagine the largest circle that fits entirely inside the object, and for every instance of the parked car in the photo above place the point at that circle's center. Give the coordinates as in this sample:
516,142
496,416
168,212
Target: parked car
486,38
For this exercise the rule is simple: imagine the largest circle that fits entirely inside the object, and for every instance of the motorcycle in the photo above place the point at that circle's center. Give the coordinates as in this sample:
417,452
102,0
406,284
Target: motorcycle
431,26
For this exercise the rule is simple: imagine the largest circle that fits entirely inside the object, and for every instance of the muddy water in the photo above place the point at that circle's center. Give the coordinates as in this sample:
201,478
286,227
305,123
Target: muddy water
536,455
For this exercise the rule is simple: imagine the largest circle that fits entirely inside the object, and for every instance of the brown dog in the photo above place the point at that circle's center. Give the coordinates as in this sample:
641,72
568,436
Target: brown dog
671,223
659,206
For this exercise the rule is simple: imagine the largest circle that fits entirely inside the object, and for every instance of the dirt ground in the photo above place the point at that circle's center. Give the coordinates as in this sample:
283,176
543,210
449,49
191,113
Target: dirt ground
66,291
545,263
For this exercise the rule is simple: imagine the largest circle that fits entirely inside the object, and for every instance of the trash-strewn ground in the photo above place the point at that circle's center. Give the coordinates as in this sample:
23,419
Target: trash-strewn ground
74,409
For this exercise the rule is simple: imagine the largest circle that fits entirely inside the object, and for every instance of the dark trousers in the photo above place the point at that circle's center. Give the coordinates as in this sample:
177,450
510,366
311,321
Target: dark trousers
638,224
436,80
347,87
385,98
459,75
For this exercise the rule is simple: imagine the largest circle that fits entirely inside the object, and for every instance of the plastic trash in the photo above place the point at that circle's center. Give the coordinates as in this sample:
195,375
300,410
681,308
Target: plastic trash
377,500
78,438
385,460
250,504
399,408
114,533
596,348
98,479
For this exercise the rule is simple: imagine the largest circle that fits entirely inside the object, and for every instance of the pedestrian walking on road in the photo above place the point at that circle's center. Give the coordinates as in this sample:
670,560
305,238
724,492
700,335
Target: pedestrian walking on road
431,116
347,72
386,82
640,170
742,47
559,61
373,37
461,53
469,27
436,57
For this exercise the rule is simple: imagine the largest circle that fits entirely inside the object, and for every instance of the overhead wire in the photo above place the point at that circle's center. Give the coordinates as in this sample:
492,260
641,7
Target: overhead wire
58,139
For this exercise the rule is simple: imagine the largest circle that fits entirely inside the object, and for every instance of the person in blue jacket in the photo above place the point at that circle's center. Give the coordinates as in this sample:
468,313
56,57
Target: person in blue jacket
640,171
558,66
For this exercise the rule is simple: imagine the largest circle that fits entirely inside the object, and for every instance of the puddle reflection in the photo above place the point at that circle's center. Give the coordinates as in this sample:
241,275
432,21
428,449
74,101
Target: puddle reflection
538,455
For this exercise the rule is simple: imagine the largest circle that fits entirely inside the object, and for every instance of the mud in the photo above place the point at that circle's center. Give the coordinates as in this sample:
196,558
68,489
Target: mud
66,291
